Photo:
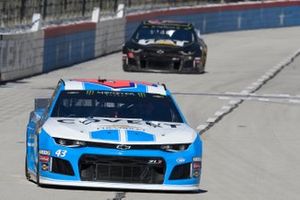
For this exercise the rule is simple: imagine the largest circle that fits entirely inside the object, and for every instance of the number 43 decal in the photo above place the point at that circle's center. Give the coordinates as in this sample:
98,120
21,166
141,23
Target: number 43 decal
61,153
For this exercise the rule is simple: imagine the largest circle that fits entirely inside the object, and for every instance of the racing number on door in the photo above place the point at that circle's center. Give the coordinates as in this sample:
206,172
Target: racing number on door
61,153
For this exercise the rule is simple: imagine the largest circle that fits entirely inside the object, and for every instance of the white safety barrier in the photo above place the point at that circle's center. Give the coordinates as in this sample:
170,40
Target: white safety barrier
109,36
21,55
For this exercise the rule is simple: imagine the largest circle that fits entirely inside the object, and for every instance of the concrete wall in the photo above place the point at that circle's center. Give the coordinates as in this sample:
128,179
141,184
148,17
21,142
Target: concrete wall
69,44
227,17
54,47
109,36
21,55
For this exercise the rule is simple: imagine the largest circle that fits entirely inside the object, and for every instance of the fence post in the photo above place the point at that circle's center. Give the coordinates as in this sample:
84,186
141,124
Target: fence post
96,15
120,11
22,10
45,9
83,7
36,22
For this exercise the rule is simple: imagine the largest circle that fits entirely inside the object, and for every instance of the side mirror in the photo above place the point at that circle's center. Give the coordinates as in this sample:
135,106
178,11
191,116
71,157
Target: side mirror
41,103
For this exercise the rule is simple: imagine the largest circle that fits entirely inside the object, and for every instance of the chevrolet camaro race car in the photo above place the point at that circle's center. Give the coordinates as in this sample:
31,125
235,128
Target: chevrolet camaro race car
165,46
112,134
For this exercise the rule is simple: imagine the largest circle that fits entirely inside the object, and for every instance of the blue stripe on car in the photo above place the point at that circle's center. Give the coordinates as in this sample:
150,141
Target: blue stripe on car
111,135
139,136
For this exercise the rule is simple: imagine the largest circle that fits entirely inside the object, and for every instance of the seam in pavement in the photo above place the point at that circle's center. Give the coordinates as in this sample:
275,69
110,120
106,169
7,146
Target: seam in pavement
248,91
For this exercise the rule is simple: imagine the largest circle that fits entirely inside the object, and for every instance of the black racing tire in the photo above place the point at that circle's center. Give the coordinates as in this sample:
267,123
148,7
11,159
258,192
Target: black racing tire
38,163
27,175
38,174
200,69
126,68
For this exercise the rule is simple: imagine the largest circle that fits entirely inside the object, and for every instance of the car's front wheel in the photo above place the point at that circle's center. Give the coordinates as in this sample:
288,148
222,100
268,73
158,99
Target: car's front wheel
200,68
38,163
27,175
126,68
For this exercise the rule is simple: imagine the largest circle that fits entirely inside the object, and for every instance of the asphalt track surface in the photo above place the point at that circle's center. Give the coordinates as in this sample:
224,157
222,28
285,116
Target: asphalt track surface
250,153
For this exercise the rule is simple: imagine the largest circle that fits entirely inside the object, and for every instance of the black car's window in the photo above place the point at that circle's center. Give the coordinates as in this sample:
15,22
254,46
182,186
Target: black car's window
174,33
112,104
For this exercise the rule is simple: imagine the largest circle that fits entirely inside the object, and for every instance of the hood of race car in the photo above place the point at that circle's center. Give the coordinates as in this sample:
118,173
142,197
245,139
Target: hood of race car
123,131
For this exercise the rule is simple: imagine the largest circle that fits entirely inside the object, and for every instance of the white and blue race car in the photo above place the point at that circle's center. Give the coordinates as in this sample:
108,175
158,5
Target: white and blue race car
112,134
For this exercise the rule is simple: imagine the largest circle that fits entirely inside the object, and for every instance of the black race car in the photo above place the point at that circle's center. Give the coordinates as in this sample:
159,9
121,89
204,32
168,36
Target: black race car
165,46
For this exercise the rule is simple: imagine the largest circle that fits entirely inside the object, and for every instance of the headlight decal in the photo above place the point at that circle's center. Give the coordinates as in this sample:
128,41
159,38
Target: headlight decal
175,147
69,143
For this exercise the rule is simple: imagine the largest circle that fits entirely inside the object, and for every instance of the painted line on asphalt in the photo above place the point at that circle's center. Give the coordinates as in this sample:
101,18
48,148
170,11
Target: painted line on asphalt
275,100
242,95
251,89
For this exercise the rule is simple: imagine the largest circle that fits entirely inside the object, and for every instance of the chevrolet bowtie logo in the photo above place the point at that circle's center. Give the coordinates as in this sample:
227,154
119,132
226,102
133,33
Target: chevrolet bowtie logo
123,147
160,51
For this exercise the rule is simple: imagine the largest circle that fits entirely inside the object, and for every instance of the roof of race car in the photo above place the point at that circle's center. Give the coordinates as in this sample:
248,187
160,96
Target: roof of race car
115,85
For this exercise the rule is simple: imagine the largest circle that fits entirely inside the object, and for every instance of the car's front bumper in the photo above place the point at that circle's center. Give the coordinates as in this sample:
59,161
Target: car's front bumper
173,63
132,186
73,155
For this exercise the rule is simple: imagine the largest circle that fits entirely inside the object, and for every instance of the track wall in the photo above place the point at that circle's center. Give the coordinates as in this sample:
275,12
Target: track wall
227,17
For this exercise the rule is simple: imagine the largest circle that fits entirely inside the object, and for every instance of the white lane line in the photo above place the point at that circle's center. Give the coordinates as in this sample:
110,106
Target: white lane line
265,76
202,127
212,119
294,101
226,108
224,98
245,91
263,99
219,113
284,95
267,98
252,88
234,102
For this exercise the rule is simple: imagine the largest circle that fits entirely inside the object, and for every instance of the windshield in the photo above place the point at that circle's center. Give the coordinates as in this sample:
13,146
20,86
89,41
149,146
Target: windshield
183,34
113,104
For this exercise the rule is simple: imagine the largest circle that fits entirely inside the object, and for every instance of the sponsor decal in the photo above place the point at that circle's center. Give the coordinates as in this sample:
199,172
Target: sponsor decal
197,159
127,127
196,165
44,158
154,124
196,174
61,153
155,162
164,42
45,166
66,121
112,120
89,121
180,160
44,152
